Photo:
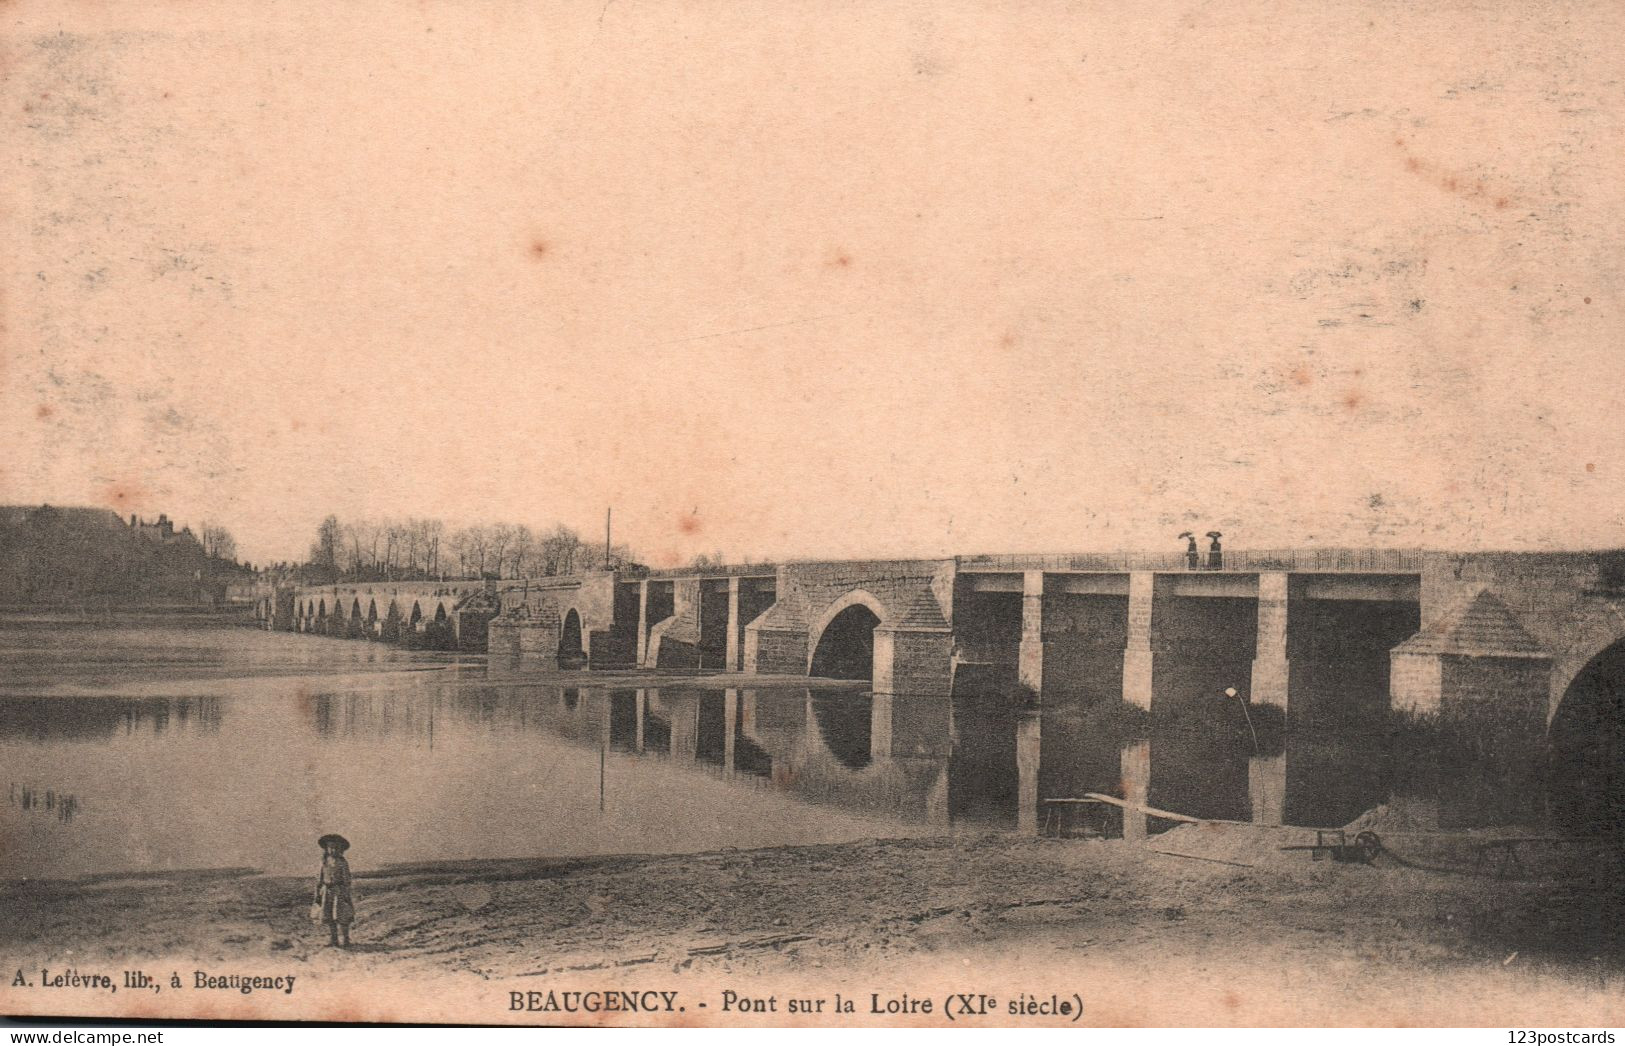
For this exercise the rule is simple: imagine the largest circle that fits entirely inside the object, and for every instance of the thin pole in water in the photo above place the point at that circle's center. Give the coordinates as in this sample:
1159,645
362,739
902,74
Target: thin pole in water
1230,691
601,751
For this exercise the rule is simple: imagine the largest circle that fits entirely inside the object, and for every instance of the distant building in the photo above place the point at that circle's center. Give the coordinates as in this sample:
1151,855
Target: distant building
76,556
163,531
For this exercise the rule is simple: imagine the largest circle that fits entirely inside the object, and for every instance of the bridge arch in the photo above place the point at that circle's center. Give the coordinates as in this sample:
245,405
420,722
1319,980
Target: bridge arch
1586,769
417,615
572,653
390,630
843,641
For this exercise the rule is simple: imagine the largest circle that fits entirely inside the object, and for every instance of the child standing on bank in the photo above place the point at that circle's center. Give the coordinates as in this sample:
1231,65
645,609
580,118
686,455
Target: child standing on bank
333,890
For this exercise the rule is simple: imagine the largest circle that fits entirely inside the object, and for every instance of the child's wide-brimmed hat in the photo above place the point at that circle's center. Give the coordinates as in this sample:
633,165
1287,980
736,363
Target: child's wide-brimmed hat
333,840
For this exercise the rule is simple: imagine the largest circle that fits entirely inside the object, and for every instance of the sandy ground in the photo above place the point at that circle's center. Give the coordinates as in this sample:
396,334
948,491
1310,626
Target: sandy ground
1138,937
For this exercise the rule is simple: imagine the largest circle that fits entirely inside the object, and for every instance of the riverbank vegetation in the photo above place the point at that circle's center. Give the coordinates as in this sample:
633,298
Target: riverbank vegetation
414,549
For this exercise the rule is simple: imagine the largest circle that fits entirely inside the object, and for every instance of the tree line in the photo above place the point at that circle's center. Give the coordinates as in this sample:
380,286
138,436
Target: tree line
413,549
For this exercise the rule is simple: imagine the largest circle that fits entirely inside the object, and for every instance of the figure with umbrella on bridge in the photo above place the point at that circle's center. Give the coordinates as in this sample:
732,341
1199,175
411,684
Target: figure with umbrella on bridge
1193,558
1215,554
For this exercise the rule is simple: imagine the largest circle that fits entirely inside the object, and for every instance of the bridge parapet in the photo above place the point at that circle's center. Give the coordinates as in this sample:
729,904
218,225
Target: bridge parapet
1245,561
706,572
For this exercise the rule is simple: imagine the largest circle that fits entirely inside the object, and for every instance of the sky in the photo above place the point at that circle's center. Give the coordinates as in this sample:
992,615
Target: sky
800,279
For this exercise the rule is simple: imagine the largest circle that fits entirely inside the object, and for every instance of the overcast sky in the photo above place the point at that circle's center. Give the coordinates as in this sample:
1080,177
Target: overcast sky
822,279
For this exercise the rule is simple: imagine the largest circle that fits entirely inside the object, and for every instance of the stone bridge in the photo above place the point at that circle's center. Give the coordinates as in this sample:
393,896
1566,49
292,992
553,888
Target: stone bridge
1445,624
1535,639
422,613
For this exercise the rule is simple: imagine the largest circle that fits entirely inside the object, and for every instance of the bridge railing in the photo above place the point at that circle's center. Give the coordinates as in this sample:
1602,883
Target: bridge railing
1347,560
726,570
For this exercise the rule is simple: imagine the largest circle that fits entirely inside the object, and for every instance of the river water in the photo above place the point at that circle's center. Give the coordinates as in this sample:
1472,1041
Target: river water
147,746
157,745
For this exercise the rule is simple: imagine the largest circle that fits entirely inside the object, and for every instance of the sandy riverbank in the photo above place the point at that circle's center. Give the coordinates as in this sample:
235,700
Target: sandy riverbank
1140,937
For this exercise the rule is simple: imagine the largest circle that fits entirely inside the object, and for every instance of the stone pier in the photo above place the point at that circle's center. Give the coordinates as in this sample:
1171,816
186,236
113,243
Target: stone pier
1138,658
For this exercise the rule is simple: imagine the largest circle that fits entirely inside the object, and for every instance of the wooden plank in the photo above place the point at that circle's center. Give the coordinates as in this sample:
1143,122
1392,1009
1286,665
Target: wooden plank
1194,857
1166,815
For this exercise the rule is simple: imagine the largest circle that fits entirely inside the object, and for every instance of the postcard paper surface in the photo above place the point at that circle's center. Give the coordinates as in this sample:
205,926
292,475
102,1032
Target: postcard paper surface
685,513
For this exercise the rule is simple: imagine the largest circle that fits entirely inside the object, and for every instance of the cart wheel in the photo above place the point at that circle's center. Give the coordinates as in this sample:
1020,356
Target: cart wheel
1370,846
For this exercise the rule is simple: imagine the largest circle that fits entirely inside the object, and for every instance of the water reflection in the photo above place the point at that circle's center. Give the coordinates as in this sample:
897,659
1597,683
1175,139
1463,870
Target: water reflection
418,759
48,801
91,719
891,755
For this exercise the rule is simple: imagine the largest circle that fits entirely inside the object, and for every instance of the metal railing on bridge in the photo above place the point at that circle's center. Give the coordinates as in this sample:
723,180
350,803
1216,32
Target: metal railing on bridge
720,571
1327,560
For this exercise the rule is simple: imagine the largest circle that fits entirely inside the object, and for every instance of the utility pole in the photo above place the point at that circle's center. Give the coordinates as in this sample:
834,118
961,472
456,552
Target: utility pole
607,514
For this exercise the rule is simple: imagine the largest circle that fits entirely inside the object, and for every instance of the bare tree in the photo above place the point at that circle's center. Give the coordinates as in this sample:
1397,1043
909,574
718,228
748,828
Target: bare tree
218,542
324,554
473,548
394,537
413,547
523,551
412,543
560,549
500,539
433,533
350,551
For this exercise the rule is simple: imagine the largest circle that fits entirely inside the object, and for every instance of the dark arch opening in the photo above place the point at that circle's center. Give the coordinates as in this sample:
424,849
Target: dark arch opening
570,653
846,650
417,615
390,631
438,633
1586,778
